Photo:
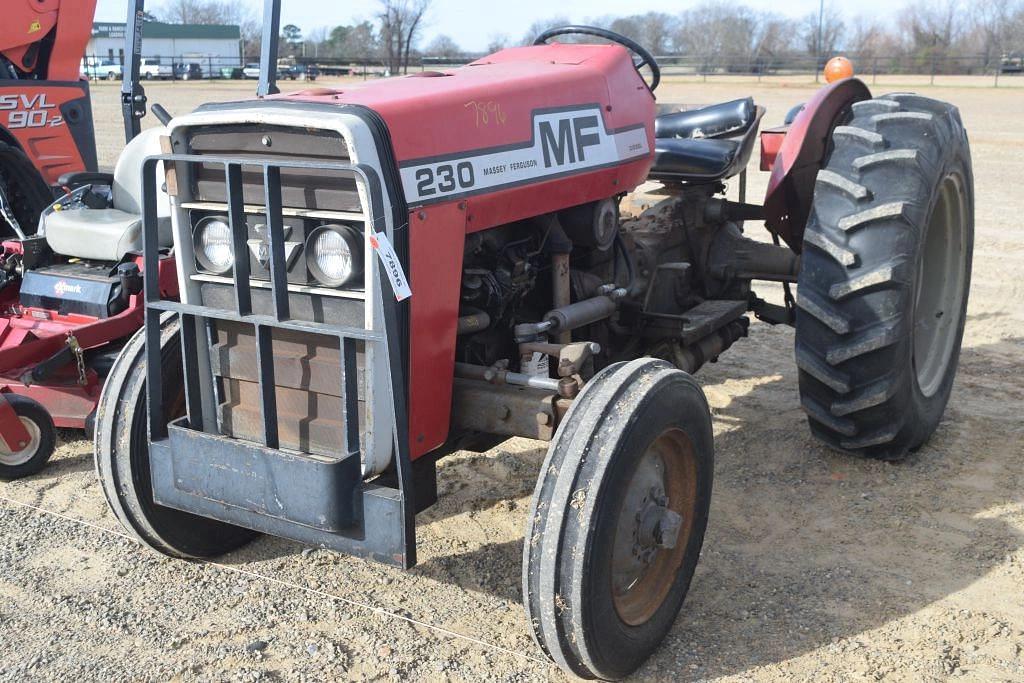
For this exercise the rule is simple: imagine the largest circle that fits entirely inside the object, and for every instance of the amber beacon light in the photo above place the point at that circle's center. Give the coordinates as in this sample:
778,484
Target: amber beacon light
837,69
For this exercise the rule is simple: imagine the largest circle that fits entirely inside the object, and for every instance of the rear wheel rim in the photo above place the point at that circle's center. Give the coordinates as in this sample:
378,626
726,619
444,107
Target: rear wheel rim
643,572
939,295
11,458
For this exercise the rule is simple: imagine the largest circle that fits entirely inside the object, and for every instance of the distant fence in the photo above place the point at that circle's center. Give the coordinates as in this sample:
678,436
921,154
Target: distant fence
868,67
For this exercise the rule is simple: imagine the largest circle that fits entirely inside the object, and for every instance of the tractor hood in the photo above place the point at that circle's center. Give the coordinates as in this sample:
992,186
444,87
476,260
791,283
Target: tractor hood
493,102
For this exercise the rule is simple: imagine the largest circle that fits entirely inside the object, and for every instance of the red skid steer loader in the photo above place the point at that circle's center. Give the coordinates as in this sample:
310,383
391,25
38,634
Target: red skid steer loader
376,275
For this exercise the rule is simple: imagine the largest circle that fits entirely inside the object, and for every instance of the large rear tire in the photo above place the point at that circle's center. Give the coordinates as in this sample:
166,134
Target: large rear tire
618,518
122,456
884,276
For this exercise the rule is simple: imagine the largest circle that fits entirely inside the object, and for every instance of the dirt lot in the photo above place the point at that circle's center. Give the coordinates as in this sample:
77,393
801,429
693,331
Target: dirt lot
816,566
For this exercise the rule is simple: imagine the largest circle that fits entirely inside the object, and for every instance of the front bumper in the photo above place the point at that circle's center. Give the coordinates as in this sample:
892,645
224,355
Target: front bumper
312,498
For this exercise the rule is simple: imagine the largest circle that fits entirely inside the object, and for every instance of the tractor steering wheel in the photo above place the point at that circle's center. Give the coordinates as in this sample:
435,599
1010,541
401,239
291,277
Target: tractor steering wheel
646,58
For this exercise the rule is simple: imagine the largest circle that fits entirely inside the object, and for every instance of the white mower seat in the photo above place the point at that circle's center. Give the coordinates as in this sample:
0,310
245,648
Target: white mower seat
109,234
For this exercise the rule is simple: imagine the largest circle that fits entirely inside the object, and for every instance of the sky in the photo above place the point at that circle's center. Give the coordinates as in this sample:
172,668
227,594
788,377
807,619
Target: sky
472,23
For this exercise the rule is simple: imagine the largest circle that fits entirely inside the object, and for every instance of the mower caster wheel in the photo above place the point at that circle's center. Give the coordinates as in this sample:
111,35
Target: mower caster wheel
29,459
122,455
618,518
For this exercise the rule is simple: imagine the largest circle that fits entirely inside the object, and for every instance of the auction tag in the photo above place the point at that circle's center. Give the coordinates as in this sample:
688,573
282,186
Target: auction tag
392,266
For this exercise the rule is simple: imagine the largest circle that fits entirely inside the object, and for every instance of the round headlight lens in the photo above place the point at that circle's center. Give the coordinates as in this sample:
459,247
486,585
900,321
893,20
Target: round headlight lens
212,242
335,254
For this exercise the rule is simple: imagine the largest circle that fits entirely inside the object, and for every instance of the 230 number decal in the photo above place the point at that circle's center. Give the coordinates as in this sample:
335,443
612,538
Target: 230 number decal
444,178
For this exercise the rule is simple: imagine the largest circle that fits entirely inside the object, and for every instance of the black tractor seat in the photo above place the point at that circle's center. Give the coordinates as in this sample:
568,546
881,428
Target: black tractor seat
707,144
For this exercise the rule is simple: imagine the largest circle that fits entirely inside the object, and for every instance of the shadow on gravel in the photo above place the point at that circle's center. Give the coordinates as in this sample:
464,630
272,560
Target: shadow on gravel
63,466
806,545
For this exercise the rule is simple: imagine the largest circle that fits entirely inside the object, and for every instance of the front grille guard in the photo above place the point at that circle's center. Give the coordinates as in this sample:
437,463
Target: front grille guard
192,466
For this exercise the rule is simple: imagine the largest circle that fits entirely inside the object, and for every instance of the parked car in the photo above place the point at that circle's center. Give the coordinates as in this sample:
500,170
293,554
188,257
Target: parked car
188,72
152,68
302,72
1012,63
107,69
251,70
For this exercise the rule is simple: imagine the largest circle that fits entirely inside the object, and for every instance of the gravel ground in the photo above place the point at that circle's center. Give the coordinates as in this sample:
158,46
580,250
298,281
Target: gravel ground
816,566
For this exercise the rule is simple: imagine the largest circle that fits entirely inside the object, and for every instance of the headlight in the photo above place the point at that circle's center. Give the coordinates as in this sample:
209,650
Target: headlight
212,242
334,254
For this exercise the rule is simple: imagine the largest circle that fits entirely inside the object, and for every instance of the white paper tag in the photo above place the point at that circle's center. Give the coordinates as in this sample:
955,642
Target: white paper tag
392,266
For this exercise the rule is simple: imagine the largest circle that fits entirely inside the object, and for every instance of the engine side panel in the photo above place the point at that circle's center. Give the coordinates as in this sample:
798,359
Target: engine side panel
436,239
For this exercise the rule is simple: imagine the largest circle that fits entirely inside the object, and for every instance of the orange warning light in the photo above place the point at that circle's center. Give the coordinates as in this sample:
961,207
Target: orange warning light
837,69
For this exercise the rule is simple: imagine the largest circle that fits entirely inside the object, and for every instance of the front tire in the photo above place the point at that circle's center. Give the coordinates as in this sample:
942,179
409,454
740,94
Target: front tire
618,518
122,456
15,462
884,276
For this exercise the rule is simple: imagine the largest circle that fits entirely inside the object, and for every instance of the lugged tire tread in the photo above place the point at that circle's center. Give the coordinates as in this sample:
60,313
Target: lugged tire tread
865,343
858,268
837,252
888,156
854,190
891,210
819,413
874,395
883,276
821,371
810,304
868,107
868,138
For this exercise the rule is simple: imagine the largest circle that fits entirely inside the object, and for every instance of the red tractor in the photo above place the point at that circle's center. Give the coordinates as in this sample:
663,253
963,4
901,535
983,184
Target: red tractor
374,276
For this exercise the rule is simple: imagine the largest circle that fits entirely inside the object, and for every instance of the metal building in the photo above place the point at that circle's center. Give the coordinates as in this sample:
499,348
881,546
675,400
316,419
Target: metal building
212,46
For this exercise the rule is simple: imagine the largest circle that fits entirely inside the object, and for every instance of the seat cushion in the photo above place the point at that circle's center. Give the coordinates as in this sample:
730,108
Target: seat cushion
694,159
99,234
727,119
711,157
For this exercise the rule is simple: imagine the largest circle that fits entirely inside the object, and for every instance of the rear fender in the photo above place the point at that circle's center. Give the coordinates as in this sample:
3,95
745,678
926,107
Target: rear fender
796,160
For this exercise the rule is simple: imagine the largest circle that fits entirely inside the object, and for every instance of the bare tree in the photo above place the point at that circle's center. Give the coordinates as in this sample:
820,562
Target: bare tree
773,41
218,13
992,27
400,22
443,46
931,29
822,34
869,40
718,33
541,25
498,41
652,30
190,12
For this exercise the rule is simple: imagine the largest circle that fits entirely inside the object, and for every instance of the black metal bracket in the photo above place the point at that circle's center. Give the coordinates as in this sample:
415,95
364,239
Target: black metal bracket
133,95
268,48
